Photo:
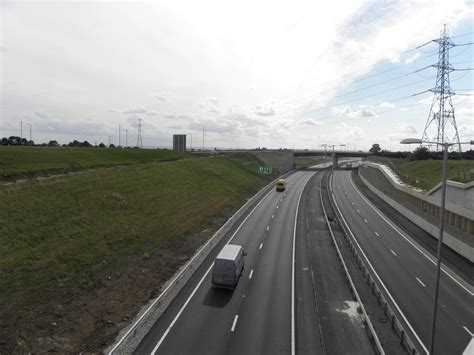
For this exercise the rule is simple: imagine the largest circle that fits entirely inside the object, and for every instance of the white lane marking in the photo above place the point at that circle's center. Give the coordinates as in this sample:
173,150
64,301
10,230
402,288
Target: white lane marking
277,206
393,252
377,234
268,228
163,337
293,261
261,246
375,273
421,282
273,215
467,330
358,211
251,274
365,220
281,199
352,203
408,240
234,323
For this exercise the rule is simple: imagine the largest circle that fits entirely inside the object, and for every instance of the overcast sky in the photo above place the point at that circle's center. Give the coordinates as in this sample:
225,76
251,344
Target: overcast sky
252,73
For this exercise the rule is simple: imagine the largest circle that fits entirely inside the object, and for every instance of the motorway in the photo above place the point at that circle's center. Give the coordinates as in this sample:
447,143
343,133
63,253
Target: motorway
407,273
274,308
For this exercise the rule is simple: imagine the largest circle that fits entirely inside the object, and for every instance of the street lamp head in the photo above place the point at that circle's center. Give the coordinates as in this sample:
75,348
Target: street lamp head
411,141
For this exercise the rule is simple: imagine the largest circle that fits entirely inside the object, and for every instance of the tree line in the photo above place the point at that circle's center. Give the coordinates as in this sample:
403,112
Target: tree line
420,153
18,141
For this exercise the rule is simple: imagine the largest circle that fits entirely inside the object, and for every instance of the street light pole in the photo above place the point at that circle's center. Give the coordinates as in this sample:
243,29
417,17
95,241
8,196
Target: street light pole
441,227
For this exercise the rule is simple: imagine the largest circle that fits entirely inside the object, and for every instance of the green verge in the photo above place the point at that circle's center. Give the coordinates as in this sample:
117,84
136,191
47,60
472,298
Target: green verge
30,161
428,173
61,237
308,161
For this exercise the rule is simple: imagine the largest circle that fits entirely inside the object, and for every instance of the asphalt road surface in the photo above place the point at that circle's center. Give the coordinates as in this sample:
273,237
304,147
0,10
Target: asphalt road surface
273,309
408,273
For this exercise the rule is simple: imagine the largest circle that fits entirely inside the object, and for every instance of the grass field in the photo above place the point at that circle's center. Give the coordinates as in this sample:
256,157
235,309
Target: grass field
62,238
28,161
428,172
308,161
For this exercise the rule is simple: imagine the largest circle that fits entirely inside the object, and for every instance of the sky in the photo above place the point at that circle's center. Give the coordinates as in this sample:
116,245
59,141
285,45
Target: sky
249,74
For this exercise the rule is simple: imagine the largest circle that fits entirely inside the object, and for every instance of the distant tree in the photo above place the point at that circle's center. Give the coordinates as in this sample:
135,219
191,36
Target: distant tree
375,149
421,153
85,144
4,141
101,145
112,145
53,143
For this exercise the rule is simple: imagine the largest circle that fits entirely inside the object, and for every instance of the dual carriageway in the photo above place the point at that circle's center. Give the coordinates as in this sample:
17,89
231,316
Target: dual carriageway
293,297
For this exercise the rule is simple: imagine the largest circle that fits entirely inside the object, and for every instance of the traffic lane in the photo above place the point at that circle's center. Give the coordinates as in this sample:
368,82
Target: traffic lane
455,299
264,323
455,310
335,327
263,212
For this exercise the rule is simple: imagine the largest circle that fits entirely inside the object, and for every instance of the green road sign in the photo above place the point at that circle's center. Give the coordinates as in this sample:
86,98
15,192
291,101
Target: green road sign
266,170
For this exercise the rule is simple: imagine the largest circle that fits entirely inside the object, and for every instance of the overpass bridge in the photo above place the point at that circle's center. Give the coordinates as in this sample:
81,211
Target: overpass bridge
335,154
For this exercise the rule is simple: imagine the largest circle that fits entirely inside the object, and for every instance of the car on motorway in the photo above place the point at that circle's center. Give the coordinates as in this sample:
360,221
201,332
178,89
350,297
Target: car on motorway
281,185
228,266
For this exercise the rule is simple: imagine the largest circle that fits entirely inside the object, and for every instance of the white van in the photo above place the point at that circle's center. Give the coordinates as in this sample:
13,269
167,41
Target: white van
228,266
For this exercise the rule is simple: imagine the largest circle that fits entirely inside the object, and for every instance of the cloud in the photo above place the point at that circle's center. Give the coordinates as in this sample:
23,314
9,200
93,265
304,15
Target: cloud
412,58
213,100
362,111
158,97
135,110
310,122
264,111
408,128
386,104
213,110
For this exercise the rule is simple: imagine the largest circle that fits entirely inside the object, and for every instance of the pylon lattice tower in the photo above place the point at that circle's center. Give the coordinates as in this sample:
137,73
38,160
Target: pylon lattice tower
139,134
442,109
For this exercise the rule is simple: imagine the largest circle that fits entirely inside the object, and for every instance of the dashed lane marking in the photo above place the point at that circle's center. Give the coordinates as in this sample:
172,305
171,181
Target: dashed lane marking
268,228
251,274
261,246
234,323
421,282
377,234
365,220
393,252
467,330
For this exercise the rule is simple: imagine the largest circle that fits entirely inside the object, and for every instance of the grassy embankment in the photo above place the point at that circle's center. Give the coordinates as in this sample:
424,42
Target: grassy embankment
308,161
20,162
429,172
68,244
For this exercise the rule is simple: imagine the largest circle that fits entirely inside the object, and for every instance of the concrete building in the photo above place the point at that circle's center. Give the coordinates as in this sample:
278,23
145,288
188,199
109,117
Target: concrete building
179,142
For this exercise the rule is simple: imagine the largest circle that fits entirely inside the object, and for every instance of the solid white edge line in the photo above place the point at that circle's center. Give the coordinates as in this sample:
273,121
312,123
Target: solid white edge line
293,261
251,274
378,277
408,240
421,282
234,323
207,272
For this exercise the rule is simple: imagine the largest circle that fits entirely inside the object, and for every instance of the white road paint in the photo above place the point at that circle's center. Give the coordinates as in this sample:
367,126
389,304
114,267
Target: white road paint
467,330
377,234
268,228
251,274
393,252
261,246
375,272
352,203
236,318
358,211
365,220
421,282
273,216
277,206
163,337
408,240
281,200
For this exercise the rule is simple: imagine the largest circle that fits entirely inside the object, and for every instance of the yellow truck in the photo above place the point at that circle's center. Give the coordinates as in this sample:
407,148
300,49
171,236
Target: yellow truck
281,185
